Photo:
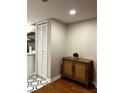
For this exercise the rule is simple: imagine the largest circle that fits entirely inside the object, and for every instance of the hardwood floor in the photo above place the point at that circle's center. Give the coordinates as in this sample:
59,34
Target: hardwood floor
65,86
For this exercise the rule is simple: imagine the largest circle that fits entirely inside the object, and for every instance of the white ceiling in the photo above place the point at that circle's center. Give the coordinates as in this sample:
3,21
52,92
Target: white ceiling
59,9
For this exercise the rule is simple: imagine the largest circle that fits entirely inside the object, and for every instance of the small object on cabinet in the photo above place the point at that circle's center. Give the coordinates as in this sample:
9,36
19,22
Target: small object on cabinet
75,55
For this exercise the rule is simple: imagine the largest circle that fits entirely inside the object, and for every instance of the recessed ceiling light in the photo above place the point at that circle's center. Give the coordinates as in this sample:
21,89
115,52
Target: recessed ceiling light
72,12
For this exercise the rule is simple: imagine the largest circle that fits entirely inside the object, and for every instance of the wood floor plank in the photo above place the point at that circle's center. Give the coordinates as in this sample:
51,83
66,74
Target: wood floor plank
65,86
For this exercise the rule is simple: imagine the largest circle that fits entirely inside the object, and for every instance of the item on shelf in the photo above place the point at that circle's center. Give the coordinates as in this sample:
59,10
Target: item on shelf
30,49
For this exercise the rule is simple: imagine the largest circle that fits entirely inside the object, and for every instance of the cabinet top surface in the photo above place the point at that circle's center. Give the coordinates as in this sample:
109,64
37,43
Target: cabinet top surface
79,59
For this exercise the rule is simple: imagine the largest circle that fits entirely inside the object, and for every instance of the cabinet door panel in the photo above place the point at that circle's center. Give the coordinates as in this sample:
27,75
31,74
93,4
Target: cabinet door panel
80,71
67,68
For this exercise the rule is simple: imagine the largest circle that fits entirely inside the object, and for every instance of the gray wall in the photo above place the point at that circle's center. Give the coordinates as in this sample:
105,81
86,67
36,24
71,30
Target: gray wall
58,49
78,37
82,38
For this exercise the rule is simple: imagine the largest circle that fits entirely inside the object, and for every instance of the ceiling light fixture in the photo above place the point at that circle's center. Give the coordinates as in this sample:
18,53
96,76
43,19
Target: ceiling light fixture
72,12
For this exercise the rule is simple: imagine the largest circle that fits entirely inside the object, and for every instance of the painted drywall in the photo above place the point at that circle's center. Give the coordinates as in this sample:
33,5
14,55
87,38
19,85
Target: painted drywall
82,38
58,49
30,64
64,40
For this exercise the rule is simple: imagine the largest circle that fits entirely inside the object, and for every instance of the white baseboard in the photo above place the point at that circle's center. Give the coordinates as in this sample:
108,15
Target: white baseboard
59,76
49,80
56,78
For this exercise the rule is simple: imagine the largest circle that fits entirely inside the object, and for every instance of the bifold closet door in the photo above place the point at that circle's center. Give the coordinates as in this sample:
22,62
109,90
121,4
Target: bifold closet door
42,49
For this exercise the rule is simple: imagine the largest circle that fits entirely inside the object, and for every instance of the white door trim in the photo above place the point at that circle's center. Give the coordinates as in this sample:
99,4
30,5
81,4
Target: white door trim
42,70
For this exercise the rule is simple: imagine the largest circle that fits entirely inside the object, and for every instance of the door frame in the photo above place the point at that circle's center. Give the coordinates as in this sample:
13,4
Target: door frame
48,63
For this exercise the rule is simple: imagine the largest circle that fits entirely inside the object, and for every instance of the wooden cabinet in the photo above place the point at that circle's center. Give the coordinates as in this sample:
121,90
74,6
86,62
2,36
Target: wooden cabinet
78,69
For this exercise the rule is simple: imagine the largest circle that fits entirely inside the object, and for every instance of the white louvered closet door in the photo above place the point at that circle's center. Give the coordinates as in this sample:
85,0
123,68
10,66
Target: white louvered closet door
42,49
